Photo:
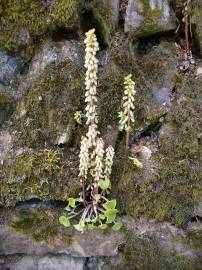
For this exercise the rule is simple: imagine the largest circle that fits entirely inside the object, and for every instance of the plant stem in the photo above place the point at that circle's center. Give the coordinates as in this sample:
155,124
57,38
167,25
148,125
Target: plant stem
187,33
84,191
127,133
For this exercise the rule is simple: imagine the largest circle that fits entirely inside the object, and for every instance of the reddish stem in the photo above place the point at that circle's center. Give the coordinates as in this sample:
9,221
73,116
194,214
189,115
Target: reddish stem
187,33
84,191
128,132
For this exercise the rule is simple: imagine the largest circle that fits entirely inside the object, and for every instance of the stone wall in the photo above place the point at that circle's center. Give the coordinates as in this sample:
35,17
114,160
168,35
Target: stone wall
42,86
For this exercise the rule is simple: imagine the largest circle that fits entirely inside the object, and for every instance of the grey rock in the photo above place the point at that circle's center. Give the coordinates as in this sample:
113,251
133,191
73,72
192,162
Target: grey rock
198,209
53,52
163,84
115,12
24,263
199,72
65,135
5,144
32,255
161,95
145,153
23,37
47,262
148,17
8,89
10,68
60,262
101,244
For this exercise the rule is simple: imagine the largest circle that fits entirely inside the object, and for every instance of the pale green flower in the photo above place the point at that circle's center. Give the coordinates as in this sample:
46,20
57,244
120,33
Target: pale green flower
126,116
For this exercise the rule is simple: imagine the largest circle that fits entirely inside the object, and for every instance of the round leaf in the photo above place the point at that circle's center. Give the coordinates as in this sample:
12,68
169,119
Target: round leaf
111,215
103,226
104,184
72,202
116,226
64,221
79,228
110,205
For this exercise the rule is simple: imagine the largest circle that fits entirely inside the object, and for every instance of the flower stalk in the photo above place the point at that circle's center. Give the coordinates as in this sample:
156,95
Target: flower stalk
126,117
95,163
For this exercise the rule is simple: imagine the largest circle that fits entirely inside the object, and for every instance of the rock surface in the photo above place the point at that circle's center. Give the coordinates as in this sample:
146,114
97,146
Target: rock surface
48,262
42,79
115,248
148,17
10,68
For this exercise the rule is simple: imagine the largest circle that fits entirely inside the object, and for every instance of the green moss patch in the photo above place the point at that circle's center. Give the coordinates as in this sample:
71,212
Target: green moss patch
175,187
50,104
102,17
44,174
42,225
36,17
6,106
147,253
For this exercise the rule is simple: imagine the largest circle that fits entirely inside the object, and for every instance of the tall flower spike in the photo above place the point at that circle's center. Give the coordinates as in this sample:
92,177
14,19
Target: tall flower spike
84,158
91,64
126,115
99,151
108,161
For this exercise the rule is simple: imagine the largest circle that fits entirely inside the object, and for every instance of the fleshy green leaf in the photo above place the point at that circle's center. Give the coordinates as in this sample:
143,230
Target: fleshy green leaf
72,202
64,221
137,163
102,217
103,226
116,226
94,220
91,226
97,197
110,205
79,228
82,223
104,184
111,215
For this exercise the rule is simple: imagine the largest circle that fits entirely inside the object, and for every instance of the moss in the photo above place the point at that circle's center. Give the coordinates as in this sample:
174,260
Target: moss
147,253
102,15
6,106
194,238
65,14
37,18
50,105
42,225
44,174
171,192
196,22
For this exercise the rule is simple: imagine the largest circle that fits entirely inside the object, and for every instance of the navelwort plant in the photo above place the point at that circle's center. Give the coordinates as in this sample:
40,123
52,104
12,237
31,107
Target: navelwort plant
95,162
126,117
